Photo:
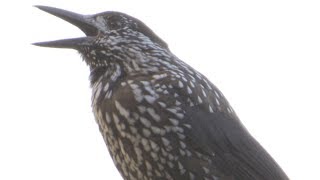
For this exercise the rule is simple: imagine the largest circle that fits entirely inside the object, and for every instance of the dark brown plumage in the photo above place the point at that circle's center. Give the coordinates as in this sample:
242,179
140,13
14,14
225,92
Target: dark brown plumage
160,118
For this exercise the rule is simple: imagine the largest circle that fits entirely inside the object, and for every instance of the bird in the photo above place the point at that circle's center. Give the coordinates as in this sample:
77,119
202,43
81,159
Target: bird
160,118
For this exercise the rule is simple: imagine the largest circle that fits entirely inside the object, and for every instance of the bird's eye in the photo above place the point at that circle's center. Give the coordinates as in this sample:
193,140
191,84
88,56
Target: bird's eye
114,22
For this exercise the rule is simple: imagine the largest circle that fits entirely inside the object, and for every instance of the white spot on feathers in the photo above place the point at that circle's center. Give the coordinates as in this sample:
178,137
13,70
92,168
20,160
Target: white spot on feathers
153,114
124,112
145,122
149,99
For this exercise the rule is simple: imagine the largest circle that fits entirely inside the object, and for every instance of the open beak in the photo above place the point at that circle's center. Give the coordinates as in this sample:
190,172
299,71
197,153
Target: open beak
81,21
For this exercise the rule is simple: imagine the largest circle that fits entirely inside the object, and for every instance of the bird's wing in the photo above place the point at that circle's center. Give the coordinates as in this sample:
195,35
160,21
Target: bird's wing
234,151
217,135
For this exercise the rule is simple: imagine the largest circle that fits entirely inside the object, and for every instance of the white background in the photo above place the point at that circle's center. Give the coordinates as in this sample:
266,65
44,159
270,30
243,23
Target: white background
263,55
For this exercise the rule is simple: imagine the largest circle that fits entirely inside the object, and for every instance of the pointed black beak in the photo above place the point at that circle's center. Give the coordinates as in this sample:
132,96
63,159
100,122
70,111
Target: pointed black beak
81,21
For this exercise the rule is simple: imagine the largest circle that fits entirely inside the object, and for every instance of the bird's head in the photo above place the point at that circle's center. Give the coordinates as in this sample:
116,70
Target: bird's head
110,36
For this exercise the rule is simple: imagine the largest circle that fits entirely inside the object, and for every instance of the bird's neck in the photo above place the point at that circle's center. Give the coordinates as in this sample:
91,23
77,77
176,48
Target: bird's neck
103,80
110,73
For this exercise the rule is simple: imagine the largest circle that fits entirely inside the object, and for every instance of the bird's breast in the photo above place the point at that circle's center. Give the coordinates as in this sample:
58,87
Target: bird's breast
144,124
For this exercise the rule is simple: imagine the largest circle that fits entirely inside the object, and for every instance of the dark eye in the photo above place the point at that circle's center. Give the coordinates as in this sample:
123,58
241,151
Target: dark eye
115,22
113,25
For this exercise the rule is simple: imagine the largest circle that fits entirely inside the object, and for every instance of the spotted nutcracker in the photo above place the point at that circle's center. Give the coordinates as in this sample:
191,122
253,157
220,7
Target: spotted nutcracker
160,118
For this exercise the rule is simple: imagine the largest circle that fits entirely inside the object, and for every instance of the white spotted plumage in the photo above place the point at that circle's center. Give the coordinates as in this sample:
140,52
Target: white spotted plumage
160,118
